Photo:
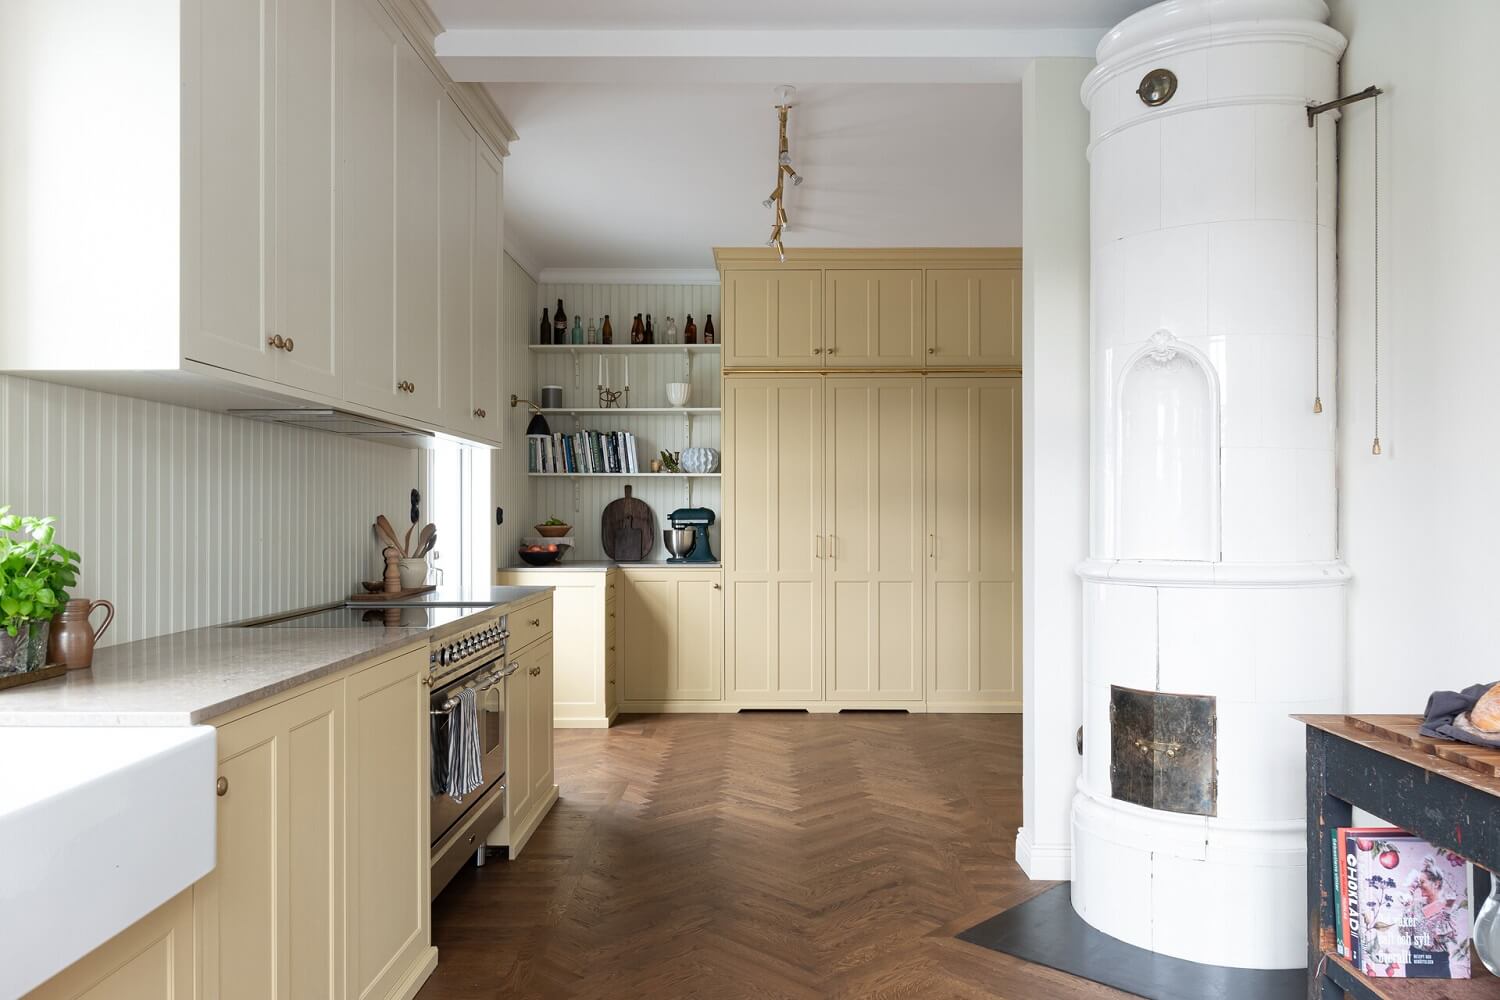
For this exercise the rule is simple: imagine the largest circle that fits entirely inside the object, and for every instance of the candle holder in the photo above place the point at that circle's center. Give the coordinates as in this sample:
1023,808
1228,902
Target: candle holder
609,399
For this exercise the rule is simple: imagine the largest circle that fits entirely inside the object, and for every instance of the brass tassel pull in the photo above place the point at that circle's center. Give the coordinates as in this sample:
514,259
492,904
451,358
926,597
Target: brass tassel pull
1375,448
1317,404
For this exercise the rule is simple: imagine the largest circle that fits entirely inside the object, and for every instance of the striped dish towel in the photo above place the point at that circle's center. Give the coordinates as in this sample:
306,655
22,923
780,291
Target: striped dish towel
464,766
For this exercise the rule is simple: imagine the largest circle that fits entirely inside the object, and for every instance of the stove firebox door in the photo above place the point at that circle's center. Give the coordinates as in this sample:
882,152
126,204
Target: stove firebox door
1164,750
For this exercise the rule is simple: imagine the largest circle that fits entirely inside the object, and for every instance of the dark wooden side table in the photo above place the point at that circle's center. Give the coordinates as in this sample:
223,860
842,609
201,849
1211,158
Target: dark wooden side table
1444,792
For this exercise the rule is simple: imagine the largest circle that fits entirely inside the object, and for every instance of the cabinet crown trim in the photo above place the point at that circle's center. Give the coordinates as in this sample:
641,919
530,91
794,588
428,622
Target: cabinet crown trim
868,257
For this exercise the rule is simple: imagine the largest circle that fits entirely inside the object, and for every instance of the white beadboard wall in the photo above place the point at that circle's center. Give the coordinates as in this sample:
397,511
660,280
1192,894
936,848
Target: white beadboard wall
581,501
186,518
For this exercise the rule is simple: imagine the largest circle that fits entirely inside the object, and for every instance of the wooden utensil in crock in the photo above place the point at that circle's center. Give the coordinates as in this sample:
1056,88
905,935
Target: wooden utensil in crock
73,637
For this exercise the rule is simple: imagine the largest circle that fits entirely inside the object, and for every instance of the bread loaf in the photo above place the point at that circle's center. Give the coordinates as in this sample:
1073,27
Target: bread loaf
1485,715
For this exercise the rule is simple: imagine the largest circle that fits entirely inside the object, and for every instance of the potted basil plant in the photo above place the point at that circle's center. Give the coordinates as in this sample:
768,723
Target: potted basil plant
35,574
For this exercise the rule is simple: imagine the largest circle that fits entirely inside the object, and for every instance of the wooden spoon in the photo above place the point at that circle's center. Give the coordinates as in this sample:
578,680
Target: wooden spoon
384,526
426,539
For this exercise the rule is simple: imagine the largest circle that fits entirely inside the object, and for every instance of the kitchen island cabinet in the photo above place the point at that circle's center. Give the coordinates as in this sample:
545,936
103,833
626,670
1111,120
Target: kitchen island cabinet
152,959
530,780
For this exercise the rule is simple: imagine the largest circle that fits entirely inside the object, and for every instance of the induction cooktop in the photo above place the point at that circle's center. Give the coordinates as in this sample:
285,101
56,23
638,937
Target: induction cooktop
358,617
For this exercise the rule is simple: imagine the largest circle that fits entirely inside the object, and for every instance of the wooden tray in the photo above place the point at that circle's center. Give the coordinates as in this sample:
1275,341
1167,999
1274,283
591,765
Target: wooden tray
31,677
1404,729
398,595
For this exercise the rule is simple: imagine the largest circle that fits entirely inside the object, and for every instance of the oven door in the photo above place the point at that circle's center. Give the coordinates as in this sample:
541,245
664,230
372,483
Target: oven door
488,681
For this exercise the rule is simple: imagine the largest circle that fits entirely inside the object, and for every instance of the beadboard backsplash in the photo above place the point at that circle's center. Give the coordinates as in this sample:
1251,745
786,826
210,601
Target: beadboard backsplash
186,518
581,501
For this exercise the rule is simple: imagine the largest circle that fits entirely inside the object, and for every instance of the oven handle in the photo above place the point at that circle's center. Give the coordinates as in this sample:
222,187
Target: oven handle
493,679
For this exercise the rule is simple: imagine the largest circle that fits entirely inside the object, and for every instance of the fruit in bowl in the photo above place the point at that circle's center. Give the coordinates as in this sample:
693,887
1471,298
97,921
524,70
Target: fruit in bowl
553,528
540,555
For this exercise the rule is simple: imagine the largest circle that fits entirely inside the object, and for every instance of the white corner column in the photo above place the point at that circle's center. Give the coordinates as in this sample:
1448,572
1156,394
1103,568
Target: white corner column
1215,570
1054,453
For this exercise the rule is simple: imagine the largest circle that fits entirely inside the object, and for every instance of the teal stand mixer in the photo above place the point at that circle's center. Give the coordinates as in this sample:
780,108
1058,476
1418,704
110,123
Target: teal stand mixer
687,538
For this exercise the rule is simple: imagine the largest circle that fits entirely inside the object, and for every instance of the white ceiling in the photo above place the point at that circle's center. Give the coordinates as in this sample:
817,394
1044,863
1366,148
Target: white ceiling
647,134
690,14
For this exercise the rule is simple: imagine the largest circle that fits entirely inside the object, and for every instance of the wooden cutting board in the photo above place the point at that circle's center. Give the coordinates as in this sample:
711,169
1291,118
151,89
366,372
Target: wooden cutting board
1403,729
627,528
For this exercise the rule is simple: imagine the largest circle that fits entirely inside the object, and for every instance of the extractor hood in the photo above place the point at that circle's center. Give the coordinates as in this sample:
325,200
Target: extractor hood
337,422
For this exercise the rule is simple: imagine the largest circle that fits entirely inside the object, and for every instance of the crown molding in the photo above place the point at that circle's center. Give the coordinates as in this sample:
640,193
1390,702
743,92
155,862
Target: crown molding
629,276
871,257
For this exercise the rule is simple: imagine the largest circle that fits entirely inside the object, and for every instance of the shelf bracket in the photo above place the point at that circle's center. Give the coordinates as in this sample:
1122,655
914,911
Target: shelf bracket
577,370
577,496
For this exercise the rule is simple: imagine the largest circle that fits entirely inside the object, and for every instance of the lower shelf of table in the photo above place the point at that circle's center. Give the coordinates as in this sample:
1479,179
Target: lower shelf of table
1482,987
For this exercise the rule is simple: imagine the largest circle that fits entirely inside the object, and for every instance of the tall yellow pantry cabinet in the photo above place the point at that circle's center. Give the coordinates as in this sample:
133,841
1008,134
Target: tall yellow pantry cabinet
871,532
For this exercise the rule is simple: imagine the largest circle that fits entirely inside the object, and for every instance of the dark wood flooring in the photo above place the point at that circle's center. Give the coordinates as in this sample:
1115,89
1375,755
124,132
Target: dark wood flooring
760,856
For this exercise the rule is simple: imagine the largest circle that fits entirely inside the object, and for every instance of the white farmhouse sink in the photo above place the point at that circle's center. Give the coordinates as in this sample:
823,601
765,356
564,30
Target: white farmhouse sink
98,827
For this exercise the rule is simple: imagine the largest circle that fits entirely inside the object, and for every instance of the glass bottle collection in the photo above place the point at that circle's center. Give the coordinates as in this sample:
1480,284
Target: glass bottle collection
554,329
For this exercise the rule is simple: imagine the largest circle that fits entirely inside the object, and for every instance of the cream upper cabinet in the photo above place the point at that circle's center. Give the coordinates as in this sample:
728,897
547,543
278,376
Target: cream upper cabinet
485,408
419,314
772,537
152,959
773,319
228,206
302,308
388,805
280,854
874,485
973,633
974,318
459,147
365,228
873,318
673,636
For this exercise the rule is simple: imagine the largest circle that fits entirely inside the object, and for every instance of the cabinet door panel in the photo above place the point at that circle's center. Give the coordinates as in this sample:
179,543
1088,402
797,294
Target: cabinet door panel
539,728
873,318
974,318
365,228
304,194
313,775
387,781
419,313
973,525
773,319
873,574
772,537
457,263
517,741
229,187
489,261
152,959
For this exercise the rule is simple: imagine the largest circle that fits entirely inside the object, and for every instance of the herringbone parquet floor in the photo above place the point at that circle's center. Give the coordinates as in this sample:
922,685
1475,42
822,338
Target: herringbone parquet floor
759,856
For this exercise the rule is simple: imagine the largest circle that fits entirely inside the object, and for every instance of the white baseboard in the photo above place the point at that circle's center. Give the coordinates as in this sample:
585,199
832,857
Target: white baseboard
1043,862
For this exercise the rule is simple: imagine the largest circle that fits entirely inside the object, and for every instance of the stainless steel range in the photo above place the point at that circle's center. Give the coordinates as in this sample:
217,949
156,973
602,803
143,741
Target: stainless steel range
466,649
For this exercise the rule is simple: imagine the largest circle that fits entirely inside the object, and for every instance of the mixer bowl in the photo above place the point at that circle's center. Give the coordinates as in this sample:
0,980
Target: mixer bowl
679,541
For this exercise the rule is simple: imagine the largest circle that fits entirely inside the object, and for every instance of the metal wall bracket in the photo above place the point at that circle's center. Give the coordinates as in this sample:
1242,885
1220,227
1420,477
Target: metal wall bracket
1314,110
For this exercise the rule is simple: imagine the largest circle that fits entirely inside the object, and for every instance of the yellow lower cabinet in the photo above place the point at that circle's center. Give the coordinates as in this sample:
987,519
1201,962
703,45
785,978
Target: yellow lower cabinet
531,787
673,637
388,852
152,959
279,865
580,640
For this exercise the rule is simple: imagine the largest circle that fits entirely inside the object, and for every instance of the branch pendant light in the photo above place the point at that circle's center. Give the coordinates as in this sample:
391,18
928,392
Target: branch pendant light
784,170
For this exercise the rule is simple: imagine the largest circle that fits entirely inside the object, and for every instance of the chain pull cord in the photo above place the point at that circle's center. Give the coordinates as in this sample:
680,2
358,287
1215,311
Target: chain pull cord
1375,444
1317,406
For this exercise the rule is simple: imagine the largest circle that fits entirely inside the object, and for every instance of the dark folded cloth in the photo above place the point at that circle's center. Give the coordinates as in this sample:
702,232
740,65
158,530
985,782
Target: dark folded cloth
1447,716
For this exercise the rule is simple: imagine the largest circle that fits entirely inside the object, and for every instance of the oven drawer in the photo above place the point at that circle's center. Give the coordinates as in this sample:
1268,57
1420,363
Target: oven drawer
529,624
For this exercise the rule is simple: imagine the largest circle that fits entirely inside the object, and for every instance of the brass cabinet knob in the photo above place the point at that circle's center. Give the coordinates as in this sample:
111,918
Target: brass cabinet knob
289,345
817,350
275,341
611,680
411,387
833,350
479,412
932,350
534,622
222,786
611,649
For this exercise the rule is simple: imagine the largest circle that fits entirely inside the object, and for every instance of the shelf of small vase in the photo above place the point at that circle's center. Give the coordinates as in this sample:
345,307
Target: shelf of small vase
694,411
625,475
625,348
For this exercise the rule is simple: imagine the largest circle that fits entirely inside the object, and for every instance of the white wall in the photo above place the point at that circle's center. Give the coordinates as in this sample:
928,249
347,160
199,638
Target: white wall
1055,451
510,489
1417,523
186,518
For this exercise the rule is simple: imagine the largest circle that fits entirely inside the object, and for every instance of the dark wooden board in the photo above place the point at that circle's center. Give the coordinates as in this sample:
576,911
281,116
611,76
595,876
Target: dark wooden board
627,528
32,676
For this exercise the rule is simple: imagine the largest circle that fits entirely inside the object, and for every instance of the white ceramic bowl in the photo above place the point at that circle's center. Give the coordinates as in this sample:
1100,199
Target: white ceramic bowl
677,393
700,460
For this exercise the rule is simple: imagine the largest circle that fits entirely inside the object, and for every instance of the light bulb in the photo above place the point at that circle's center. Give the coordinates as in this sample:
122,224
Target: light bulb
785,158
771,242
769,203
796,180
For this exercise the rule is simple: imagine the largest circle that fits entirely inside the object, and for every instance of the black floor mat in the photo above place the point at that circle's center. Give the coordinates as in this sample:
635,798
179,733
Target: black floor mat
1044,930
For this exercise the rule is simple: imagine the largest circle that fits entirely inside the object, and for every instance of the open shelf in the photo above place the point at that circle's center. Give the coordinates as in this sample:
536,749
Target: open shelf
636,410
624,475
624,348
1482,987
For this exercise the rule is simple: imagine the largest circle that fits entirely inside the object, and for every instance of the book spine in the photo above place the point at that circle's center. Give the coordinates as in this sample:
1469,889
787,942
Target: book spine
1350,879
1338,898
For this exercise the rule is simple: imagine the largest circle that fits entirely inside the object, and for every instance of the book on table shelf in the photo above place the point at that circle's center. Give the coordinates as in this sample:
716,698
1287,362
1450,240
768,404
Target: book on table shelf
582,452
1401,905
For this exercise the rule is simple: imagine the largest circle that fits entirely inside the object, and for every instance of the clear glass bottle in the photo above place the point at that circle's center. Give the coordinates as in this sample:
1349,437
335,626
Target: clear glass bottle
593,334
669,335
577,329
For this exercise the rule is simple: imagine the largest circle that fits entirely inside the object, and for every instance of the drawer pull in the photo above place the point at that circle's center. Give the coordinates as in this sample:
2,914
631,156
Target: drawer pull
221,787
718,586
479,412
534,622
611,649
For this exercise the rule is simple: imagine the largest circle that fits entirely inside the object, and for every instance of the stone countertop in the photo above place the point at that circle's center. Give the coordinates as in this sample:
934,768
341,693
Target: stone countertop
193,677
599,565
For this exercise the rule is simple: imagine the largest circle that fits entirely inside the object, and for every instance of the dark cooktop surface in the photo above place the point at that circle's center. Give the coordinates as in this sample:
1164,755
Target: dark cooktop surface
357,617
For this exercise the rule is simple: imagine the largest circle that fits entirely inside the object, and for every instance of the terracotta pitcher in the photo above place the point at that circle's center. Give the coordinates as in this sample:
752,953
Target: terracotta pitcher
73,637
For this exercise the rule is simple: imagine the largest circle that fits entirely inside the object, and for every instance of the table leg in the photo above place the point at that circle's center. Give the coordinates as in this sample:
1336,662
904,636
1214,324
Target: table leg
1325,814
